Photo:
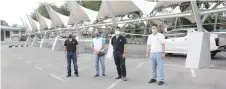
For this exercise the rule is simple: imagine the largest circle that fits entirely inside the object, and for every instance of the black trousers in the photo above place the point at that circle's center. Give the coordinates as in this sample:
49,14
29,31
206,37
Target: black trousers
120,63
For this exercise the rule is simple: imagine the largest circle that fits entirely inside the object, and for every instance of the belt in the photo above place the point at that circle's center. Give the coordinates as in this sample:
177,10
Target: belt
117,51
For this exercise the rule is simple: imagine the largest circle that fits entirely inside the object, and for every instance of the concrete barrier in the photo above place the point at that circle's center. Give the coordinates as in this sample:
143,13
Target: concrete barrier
28,41
35,42
58,44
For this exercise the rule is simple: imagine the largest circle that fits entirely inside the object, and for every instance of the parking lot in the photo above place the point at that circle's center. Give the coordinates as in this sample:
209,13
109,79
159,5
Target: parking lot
41,68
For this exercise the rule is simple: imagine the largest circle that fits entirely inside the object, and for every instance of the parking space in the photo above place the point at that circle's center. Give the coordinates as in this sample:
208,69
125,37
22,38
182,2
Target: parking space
41,68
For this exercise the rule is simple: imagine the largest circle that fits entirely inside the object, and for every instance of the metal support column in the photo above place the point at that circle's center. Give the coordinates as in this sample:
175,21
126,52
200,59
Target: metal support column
110,48
175,23
215,22
44,36
197,16
111,13
206,16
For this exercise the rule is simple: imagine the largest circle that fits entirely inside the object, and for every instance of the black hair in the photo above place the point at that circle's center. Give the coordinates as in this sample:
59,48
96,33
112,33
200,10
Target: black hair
117,27
155,25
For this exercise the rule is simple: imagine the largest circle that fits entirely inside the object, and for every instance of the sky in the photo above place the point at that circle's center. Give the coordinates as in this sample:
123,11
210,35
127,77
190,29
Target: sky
12,10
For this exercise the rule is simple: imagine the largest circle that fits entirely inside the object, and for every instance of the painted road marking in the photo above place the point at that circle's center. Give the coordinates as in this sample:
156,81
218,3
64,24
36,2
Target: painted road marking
140,65
114,84
193,72
28,62
38,68
49,65
56,77
66,74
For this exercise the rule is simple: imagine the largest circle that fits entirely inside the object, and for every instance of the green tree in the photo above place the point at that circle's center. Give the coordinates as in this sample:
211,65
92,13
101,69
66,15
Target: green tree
43,11
93,5
15,25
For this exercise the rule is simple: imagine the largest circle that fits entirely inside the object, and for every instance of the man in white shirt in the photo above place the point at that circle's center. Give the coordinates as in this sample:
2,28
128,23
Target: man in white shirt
97,46
156,53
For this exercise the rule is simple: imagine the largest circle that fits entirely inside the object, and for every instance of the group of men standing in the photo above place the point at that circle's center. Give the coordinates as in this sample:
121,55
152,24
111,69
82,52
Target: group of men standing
155,52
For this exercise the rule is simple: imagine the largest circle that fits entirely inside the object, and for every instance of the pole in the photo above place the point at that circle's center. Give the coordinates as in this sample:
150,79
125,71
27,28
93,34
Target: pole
111,13
175,23
215,23
196,15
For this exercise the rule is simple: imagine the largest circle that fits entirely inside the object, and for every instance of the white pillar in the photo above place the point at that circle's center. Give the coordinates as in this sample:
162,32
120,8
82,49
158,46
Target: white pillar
4,35
43,38
198,44
58,44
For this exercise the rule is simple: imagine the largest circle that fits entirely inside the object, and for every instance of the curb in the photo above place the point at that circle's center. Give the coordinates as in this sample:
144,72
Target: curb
17,46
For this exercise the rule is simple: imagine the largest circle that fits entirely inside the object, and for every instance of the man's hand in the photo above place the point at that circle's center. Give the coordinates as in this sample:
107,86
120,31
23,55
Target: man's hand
124,55
163,55
97,52
77,54
147,55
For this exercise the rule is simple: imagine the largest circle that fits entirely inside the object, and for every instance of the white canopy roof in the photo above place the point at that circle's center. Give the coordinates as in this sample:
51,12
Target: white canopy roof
80,13
26,25
165,3
145,6
118,7
44,22
57,18
35,26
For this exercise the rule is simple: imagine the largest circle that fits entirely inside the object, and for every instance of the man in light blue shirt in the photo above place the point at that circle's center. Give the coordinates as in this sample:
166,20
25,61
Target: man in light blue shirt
97,46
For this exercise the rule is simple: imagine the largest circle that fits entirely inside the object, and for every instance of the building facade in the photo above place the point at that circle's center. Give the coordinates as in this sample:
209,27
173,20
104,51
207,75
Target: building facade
10,33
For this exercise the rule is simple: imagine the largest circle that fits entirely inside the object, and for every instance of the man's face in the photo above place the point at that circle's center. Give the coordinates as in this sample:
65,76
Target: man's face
154,29
117,32
70,36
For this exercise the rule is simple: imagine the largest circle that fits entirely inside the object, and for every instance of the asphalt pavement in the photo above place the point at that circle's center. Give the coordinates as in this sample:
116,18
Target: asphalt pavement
41,68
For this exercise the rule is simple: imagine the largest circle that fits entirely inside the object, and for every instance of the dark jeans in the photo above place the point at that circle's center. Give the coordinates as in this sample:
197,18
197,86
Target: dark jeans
120,63
72,56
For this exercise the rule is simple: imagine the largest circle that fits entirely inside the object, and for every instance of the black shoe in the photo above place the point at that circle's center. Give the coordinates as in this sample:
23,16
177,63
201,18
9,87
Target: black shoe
103,75
124,79
152,81
76,75
68,75
96,76
161,83
118,77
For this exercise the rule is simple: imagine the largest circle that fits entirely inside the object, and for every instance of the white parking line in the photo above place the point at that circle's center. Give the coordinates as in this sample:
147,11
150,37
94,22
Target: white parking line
62,75
38,67
193,72
21,58
56,77
222,55
66,74
174,65
219,70
114,84
28,62
49,65
140,65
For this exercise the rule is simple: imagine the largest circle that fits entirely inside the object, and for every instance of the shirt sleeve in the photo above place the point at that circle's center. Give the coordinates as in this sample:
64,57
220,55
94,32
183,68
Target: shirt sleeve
162,39
91,43
124,40
112,42
103,41
76,42
149,40
65,43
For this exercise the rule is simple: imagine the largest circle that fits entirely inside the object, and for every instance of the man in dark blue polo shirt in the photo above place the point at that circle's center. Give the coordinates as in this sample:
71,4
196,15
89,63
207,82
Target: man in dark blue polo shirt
119,46
71,51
